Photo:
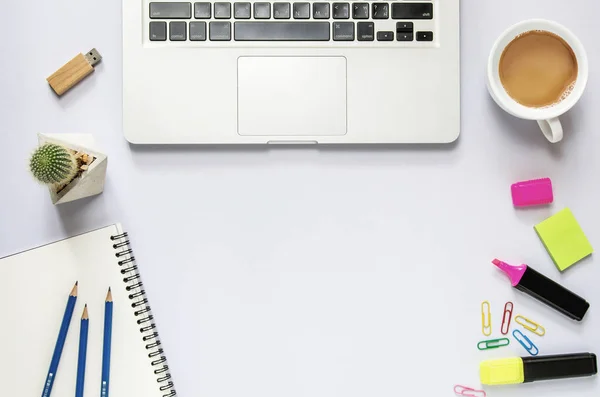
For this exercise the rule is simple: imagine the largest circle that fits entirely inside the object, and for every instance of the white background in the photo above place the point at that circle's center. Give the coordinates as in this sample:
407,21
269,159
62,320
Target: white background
321,271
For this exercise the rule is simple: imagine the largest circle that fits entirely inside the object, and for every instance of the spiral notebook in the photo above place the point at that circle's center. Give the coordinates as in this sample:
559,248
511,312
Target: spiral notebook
34,287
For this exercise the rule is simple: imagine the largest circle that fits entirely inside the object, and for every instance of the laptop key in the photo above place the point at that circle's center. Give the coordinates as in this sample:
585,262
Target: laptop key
365,31
381,11
341,10
241,10
178,31
360,10
343,31
281,31
202,10
301,10
170,10
412,10
404,27
424,36
281,10
222,10
197,31
321,10
262,10
220,31
385,36
404,36
158,31
404,31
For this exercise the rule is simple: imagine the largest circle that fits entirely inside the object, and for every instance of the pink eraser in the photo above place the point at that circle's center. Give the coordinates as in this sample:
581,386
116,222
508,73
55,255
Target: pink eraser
534,192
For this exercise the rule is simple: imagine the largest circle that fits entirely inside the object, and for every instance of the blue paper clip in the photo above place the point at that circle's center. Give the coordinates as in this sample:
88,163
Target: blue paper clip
526,342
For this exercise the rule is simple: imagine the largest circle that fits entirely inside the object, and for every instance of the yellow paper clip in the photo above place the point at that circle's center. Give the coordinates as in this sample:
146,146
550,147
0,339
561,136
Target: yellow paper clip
486,318
530,325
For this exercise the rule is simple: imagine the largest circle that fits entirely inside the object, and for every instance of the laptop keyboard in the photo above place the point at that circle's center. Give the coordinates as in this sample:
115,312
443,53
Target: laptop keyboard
205,22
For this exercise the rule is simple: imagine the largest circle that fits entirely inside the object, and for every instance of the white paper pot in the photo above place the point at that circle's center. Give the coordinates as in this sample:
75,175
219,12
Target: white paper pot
91,181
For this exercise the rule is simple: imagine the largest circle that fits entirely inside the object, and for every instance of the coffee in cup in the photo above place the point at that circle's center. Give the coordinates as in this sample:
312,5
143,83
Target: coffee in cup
538,68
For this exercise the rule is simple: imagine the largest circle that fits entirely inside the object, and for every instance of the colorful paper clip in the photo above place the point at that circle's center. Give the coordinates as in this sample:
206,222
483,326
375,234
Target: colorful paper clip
506,317
493,343
486,318
530,325
526,342
467,391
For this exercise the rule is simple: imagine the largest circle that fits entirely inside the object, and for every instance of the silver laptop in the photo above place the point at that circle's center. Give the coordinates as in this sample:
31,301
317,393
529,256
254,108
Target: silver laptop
219,72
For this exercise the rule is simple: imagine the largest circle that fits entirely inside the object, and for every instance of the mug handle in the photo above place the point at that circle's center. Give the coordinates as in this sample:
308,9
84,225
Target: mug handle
552,129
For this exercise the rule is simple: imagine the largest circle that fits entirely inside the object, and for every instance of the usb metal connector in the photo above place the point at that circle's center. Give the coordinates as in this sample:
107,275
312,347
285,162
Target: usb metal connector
93,57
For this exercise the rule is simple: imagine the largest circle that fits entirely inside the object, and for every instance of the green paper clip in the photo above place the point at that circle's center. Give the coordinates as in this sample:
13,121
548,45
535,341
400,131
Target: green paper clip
493,343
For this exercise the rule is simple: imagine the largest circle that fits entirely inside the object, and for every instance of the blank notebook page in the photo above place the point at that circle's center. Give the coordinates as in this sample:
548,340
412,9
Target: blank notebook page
37,284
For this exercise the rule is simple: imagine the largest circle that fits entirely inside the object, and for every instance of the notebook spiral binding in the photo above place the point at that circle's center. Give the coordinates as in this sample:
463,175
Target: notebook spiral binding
145,320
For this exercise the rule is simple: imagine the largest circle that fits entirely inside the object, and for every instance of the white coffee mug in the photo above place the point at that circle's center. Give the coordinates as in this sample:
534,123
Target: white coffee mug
547,117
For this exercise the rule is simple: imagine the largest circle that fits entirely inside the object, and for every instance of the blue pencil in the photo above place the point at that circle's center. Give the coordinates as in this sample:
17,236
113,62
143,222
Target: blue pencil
108,314
83,338
60,342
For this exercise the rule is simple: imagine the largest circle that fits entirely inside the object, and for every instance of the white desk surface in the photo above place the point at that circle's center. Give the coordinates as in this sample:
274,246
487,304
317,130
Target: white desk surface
322,271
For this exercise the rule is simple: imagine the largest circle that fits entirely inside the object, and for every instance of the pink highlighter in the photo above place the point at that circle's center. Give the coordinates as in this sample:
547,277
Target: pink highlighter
533,192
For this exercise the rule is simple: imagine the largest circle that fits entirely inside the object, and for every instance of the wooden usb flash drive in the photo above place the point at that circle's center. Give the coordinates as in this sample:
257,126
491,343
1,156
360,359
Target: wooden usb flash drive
74,71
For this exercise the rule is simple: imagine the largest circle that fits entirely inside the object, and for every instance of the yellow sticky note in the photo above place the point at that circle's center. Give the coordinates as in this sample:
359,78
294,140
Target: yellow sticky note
563,238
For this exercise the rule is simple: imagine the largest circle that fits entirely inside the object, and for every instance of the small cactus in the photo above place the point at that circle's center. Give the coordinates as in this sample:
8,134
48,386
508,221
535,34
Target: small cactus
53,164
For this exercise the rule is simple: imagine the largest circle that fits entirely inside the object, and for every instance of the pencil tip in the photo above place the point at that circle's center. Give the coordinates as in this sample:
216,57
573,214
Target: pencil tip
85,313
109,296
77,282
74,290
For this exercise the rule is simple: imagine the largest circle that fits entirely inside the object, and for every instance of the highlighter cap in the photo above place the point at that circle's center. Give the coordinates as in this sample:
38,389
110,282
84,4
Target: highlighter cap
505,371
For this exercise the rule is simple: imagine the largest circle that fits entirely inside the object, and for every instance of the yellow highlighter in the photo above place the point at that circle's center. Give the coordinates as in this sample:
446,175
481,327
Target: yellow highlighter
508,371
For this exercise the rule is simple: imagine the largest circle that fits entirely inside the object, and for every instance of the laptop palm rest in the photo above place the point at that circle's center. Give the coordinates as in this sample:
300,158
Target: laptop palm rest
291,96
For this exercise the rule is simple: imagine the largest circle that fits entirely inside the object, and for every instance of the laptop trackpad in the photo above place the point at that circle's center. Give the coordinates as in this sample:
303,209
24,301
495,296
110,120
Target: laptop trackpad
291,96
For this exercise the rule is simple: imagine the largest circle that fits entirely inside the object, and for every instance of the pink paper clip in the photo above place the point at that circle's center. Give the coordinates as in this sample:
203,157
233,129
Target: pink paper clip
534,192
468,391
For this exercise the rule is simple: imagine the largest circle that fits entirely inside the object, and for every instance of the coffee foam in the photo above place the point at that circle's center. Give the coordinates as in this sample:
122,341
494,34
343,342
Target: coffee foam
563,96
